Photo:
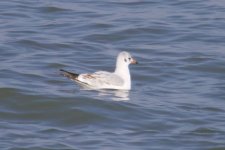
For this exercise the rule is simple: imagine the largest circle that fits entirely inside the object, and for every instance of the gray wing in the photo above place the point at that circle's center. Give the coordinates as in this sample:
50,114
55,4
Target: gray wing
101,79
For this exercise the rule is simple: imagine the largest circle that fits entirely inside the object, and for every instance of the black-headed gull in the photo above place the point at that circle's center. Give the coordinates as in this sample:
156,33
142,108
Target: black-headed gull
119,79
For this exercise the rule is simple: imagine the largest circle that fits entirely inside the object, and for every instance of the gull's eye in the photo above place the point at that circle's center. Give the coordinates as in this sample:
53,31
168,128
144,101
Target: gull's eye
129,58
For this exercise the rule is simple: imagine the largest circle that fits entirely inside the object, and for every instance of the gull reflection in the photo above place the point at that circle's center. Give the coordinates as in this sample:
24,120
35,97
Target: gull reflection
116,95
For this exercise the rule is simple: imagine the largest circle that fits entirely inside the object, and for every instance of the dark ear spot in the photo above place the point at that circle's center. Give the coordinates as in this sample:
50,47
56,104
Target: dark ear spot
125,60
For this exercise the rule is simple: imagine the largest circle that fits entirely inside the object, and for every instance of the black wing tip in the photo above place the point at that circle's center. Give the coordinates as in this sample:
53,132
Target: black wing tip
62,71
68,74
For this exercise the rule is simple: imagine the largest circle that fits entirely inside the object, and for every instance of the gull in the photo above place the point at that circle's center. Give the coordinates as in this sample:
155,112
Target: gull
120,79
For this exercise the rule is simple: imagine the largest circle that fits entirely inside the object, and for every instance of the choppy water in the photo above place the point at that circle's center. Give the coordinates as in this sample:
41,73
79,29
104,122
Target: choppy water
177,99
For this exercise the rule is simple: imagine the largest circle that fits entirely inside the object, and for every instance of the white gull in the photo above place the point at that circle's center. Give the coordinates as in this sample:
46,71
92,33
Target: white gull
119,79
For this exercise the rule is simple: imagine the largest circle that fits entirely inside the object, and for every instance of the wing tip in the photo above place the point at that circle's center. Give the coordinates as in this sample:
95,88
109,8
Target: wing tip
70,75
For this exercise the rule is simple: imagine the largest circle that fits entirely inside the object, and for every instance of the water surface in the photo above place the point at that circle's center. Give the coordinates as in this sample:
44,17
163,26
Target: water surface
177,96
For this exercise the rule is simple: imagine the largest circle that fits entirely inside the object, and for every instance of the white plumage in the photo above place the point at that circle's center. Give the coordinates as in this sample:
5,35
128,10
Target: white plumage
119,79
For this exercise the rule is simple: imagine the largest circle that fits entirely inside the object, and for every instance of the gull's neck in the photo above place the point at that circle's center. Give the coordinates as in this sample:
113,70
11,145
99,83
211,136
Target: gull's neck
123,71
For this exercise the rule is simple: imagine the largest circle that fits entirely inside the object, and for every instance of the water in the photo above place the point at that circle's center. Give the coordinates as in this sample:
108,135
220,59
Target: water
177,96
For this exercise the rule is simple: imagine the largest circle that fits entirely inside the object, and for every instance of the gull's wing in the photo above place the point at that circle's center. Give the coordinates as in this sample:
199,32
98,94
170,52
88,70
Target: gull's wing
101,79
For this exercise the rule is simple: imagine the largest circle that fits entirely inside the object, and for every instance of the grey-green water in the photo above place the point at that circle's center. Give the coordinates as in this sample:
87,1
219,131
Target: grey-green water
177,99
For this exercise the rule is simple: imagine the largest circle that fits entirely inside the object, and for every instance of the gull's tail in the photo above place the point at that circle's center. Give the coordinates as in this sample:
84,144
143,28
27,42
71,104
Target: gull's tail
70,75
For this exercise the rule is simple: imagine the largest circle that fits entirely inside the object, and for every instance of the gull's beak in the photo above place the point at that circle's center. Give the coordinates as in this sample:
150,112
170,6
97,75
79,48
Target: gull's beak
134,61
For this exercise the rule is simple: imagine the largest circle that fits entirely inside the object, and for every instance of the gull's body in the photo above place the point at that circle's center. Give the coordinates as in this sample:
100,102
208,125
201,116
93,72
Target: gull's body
119,79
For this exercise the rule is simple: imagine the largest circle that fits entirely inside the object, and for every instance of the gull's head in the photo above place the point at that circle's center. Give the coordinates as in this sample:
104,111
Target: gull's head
125,58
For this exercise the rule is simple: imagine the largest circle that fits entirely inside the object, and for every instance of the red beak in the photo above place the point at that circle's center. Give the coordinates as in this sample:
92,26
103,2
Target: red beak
134,61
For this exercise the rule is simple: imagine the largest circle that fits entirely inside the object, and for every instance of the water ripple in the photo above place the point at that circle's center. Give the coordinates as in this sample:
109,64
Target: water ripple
177,96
